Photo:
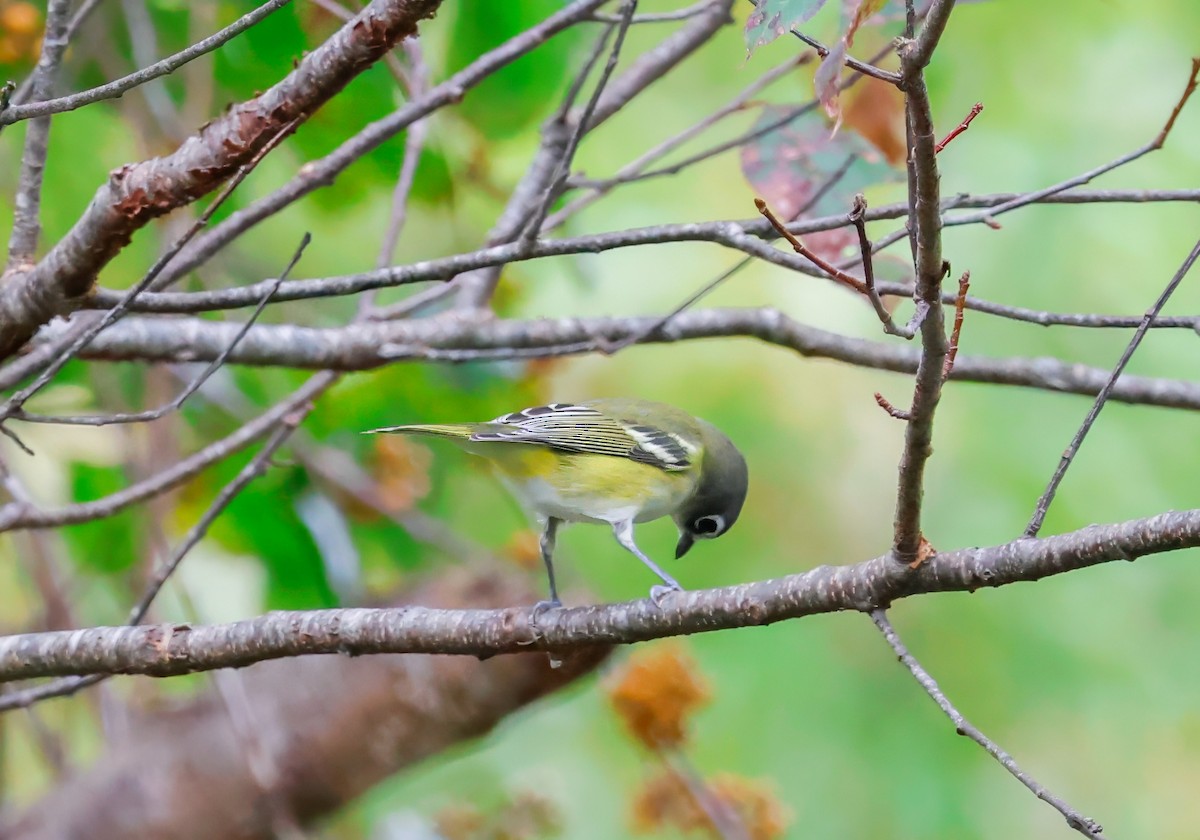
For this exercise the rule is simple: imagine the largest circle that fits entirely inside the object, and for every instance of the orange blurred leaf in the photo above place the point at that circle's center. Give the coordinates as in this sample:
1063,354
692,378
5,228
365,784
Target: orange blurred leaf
401,472
876,111
655,694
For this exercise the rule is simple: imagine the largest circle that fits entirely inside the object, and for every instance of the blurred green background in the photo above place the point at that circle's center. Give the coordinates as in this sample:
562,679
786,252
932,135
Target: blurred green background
1090,680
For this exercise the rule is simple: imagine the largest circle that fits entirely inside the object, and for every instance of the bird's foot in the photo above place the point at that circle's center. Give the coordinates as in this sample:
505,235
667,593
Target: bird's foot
541,606
538,609
660,591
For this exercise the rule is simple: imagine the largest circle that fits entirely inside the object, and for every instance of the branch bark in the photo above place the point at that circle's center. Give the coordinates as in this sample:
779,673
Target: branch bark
366,346
137,193
165,650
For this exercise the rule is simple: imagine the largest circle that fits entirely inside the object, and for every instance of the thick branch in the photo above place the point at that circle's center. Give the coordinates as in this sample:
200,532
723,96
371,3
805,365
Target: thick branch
137,193
925,225
165,650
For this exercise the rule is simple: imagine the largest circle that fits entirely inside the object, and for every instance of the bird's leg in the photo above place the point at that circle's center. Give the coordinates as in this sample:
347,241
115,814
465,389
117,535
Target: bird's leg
623,531
547,546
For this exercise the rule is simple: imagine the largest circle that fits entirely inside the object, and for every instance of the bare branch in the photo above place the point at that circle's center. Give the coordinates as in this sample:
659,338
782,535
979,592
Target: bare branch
322,172
137,193
457,339
1084,825
115,88
14,515
1043,503
405,708
165,650
925,224
191,388
14,403
27,228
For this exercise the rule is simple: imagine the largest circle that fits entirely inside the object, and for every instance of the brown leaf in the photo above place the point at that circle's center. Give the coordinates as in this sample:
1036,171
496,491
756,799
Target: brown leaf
876,111
656,692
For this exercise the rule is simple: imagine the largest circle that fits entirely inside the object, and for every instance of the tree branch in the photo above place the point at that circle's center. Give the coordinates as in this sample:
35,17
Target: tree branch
925,226
117,87
137,193
166,649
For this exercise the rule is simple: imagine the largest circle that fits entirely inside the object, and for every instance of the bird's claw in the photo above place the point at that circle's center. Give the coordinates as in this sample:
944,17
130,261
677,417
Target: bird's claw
660,591
539,608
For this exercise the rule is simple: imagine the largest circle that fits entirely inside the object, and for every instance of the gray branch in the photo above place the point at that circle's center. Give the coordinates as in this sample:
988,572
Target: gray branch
137,193
171,649
366,346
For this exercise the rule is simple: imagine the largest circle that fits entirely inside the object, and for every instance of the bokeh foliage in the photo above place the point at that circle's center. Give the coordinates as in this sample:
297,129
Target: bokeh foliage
1085,678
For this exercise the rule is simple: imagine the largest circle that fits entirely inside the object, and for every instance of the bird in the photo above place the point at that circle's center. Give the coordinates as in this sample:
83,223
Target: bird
615,462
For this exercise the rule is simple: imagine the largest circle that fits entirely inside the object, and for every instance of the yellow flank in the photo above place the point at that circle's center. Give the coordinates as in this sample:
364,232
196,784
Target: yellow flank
581,486
574,486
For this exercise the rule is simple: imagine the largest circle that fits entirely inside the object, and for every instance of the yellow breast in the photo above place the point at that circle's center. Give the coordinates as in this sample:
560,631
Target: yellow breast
585,487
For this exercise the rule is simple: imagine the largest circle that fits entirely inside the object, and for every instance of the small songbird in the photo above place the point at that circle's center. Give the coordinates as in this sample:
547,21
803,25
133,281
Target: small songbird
611,461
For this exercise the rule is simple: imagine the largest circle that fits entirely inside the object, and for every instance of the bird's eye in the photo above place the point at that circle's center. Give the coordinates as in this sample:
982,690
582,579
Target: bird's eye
709,525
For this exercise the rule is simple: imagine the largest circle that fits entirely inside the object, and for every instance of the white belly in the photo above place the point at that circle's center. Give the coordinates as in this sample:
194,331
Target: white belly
543,500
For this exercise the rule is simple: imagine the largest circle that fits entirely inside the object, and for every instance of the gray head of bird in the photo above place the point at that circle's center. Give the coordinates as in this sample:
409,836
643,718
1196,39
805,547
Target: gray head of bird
714,507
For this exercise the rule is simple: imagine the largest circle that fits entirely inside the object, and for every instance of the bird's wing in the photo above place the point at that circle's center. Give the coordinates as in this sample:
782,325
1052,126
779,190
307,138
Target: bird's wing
581,428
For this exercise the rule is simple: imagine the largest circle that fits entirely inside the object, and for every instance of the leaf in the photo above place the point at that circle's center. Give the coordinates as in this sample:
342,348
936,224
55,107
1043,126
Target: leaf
862,12
829,72
772,18
825,82
503,104
786,166
876,111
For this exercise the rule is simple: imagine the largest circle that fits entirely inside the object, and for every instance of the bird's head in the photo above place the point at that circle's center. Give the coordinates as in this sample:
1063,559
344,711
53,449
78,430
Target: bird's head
714,507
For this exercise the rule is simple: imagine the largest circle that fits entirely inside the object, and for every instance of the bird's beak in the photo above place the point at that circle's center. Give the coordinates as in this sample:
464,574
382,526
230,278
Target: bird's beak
685,542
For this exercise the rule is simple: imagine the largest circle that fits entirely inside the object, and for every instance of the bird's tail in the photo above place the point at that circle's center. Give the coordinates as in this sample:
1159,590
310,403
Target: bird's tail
458,431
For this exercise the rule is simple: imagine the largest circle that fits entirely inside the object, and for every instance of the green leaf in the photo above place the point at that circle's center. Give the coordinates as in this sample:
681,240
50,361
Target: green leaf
772,18
104,545
509,99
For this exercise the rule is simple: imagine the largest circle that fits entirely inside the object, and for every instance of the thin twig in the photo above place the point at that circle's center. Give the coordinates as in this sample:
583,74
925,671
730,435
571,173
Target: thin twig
253,469
863,67
192,387
115,88
1079,180
583,124
725,821
324,171
637,166
611,347
960,303
13,516
17,400
1084,825
284,427
656,17
833,271
26,224
417,82
975,111
858,219
77,20
1043,503
886,404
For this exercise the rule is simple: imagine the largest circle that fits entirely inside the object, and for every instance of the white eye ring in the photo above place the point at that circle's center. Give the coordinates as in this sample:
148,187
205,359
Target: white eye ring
709,526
